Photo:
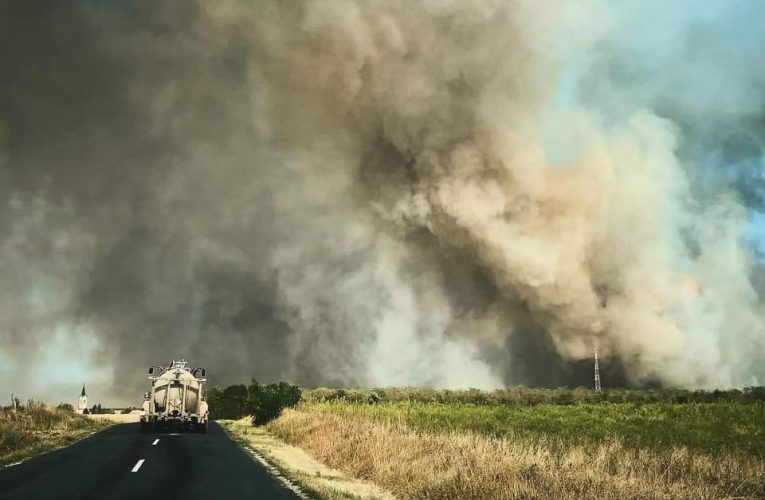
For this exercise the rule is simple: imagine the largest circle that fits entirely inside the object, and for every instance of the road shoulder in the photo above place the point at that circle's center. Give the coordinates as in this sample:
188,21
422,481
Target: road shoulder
313,477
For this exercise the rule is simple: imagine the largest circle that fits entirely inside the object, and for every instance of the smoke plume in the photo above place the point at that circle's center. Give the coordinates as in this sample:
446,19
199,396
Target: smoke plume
444,193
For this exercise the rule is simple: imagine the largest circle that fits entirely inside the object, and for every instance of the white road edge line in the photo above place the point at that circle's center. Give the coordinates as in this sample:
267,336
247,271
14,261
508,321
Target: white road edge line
138,465
155,442
278,475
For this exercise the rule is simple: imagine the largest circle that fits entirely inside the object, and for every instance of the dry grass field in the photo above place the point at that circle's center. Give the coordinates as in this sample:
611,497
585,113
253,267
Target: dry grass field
318,480
34,428
446,451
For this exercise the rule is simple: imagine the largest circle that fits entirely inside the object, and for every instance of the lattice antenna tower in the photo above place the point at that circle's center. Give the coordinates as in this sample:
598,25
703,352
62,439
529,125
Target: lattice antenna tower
597,370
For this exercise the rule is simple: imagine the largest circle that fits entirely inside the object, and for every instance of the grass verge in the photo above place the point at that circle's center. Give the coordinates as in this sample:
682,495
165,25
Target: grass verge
35,429
314,478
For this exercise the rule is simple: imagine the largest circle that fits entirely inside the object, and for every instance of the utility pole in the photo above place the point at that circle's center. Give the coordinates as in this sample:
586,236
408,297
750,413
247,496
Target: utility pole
597,370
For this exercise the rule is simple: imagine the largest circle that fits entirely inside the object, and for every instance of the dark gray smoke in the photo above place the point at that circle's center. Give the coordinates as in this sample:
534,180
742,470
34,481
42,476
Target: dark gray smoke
125,218
359,193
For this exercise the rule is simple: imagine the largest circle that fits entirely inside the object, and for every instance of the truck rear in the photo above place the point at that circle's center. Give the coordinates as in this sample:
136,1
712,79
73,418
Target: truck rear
175,400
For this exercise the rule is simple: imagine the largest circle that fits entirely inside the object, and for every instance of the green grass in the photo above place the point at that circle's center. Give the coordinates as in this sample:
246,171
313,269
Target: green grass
708,427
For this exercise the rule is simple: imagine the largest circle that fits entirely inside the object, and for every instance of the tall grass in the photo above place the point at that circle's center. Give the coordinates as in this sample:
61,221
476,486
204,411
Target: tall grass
708,427
34,427
602,450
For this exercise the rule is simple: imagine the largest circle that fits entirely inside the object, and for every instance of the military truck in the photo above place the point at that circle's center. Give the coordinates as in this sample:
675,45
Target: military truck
175,401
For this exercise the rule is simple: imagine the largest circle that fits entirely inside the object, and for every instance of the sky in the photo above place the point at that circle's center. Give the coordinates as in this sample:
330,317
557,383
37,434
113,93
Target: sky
353,193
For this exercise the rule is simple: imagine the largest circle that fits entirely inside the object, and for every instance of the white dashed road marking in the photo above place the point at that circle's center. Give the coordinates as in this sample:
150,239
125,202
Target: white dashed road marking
155,442
138,465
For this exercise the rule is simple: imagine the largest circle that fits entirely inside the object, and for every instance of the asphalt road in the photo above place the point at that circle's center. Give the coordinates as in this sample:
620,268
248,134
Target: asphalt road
120,463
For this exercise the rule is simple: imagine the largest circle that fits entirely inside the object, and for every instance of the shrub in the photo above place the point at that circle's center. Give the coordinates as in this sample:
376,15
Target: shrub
261,403
227,402
213,395
266,402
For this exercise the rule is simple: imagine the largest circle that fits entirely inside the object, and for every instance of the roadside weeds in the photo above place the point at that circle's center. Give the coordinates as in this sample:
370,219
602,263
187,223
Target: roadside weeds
314,478
37,430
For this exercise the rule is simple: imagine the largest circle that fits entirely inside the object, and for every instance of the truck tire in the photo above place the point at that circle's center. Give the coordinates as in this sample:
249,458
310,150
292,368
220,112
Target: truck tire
202,428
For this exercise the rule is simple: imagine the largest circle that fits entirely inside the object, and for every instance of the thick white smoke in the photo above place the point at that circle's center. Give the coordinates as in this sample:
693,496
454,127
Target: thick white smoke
437,114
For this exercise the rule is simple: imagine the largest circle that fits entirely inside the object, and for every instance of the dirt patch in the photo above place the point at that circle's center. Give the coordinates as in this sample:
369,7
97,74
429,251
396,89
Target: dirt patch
118,418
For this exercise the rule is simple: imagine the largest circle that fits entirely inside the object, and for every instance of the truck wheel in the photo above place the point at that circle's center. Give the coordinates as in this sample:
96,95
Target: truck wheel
202,428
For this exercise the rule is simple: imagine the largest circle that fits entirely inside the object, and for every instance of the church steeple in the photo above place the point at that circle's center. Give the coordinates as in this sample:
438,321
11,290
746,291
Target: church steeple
82,403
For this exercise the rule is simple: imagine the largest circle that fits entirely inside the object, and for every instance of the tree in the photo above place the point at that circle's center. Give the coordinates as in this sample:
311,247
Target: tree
228,402
266,402
214,398
262,403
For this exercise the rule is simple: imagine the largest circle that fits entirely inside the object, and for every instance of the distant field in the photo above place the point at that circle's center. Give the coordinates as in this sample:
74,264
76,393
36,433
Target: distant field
528,396
34,428
517,444
708,427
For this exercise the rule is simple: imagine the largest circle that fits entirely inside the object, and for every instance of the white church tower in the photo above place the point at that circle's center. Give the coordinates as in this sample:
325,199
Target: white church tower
82,403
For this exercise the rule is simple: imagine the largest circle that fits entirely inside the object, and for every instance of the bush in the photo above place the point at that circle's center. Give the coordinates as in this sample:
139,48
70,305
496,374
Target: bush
227,402
261,403
213,395
266,402
232,402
